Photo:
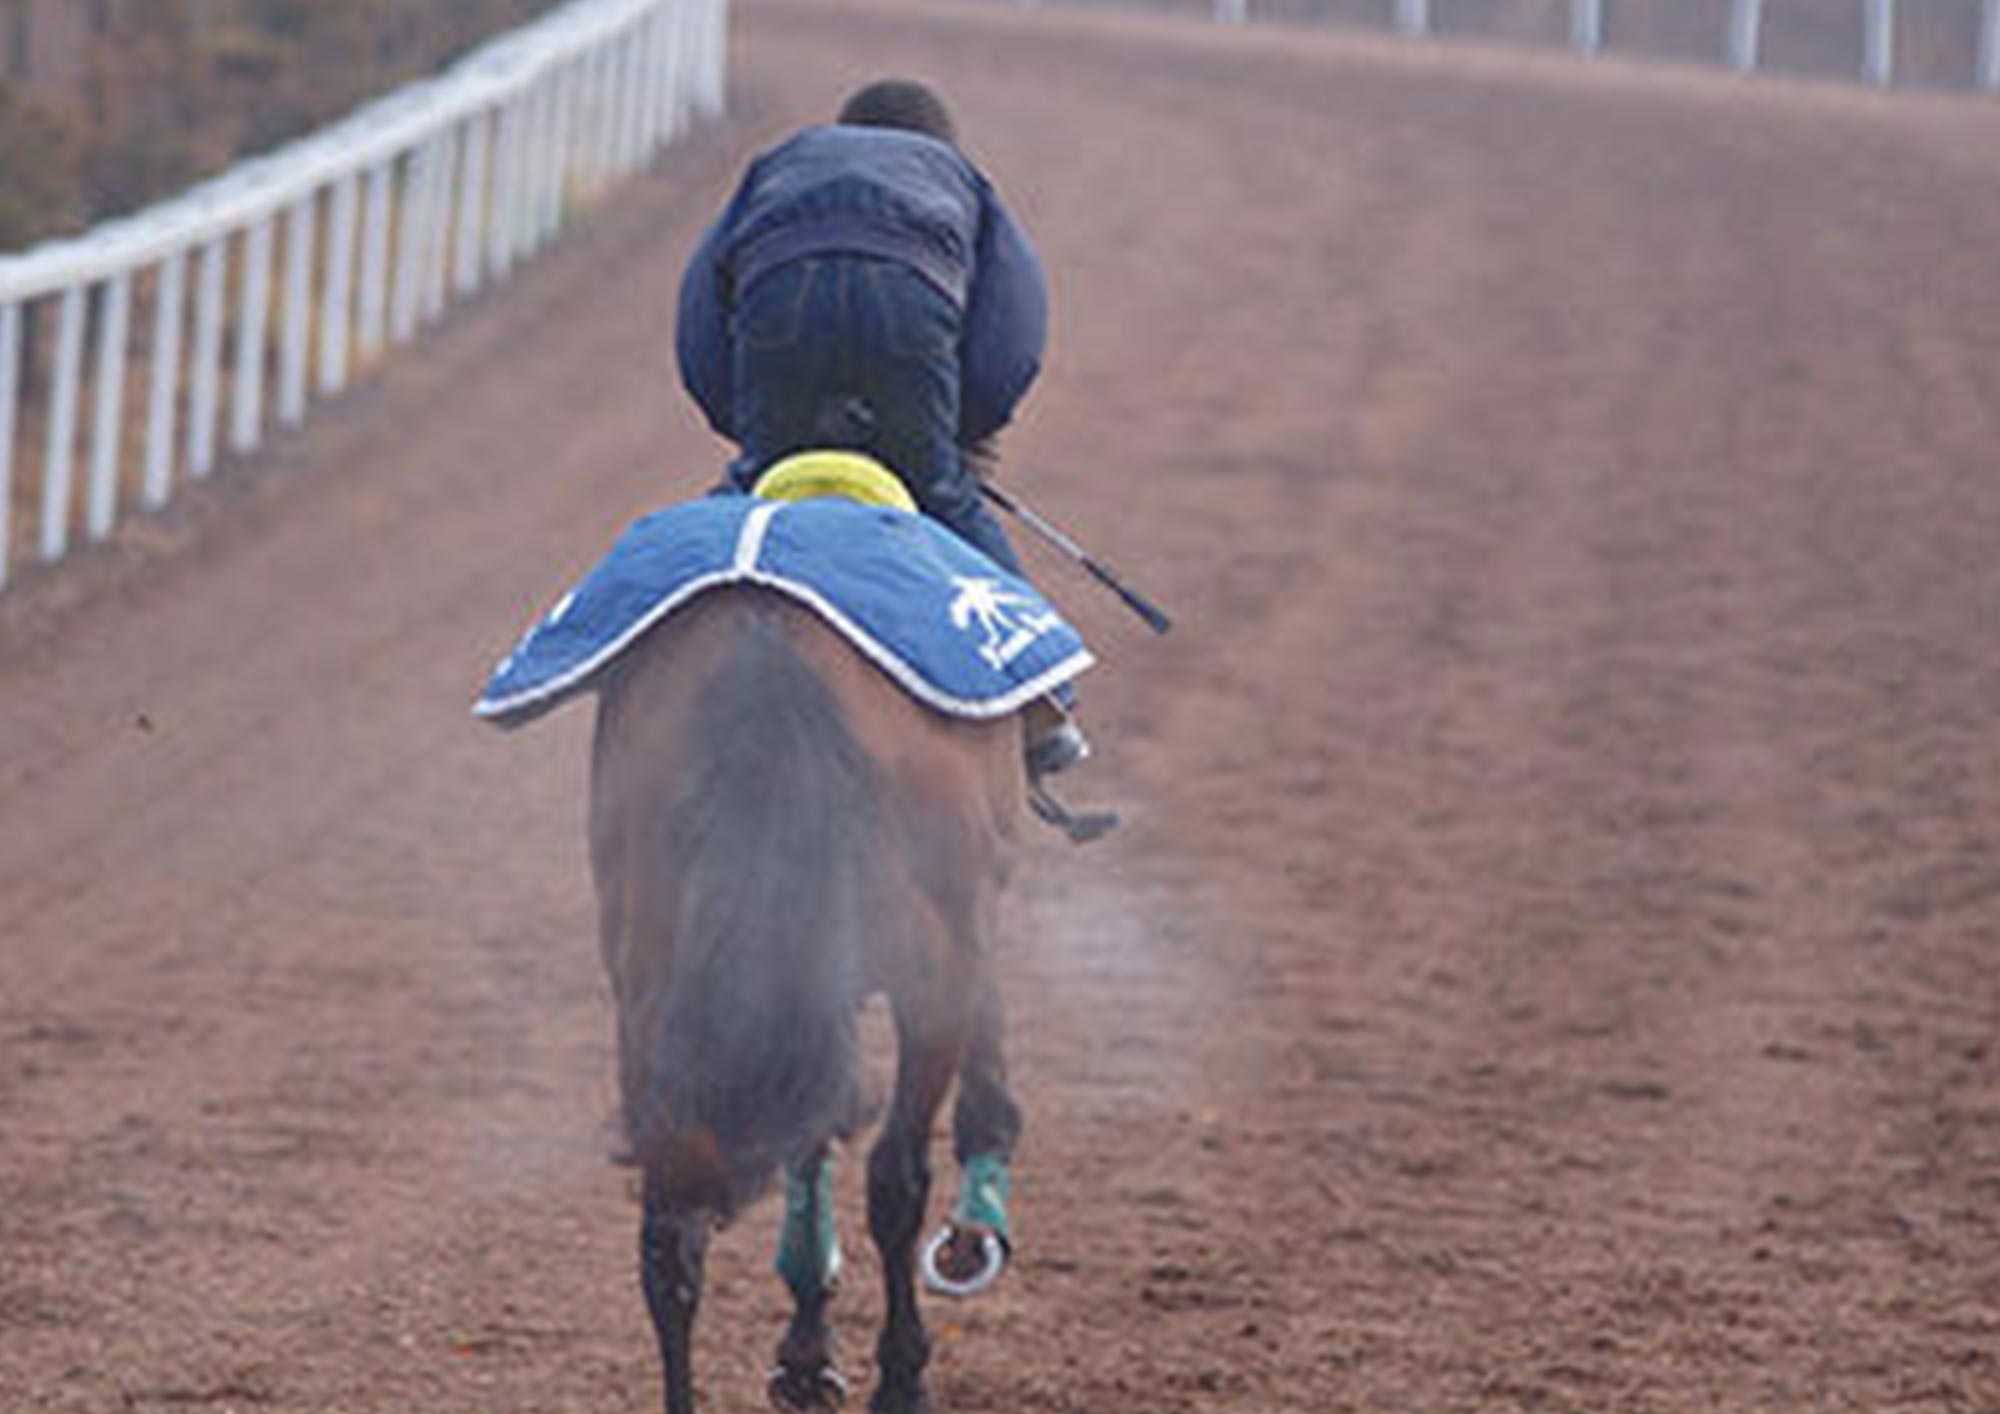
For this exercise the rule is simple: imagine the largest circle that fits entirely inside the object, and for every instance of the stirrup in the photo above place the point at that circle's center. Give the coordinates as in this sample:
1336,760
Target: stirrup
1056,750
1081,829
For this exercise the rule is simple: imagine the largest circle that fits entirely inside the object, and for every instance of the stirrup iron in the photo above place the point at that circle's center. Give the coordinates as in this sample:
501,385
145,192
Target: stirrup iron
1080,828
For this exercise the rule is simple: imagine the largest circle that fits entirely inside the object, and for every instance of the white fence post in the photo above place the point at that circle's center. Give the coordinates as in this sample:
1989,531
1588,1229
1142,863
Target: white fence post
1746,32
1231,12
437,251
586,110
1413,18
566,95
371,318
600,98
1989,44
107,428
1586,26
624,111
207,370
625,119
295,321
539,125
412,238
169,302
639,99
529,190
10,390
1878,61
659,80
517,219
246,427
337,287
60,451
554,143
679,76
713,22
687,65
669,92
467,263
603,95
502,194
565,122
423,216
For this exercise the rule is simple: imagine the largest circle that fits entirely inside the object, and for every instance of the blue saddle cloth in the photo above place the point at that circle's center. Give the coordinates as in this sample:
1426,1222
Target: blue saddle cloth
951,627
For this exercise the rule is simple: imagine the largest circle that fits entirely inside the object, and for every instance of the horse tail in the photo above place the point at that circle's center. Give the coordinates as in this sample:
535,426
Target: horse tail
772,832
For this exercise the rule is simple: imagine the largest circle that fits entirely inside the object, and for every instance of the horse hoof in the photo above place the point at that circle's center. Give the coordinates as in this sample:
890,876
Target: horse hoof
887,1401
806,1391
963,1261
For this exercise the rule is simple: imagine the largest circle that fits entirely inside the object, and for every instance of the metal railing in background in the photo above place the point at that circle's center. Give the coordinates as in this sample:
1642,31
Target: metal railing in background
283,275
1740,45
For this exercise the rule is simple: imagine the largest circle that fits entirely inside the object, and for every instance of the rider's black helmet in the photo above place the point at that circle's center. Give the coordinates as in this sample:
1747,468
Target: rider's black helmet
900,103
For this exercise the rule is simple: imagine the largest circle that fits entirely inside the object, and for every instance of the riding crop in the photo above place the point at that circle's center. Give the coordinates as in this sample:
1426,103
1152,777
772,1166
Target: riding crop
1157,621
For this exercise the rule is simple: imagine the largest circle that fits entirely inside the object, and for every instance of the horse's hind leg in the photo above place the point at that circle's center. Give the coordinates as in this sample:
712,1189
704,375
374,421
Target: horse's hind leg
805,1378
985,1122
899,1184
968,1253
673,1242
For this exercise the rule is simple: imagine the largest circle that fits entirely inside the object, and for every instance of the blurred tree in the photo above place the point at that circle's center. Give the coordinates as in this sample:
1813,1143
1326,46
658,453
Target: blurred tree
173,90
40,177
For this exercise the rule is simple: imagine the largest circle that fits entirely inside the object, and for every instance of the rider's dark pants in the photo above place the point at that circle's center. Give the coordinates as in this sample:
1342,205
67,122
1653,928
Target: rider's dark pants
812,333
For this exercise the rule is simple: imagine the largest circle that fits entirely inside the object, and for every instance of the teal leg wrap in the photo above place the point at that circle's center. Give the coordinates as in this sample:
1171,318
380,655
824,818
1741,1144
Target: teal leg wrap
808,1247
982,1196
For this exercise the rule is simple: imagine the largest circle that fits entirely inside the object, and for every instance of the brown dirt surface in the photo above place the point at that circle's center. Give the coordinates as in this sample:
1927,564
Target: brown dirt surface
1549,961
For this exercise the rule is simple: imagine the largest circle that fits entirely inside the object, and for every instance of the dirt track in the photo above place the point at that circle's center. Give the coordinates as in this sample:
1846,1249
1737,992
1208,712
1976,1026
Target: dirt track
1550,962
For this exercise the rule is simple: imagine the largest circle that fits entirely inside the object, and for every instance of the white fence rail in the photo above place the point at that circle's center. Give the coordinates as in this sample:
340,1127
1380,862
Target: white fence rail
1740,43
376,223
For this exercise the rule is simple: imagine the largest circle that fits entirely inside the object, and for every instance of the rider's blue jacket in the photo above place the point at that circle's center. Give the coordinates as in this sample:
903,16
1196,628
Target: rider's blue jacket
881,192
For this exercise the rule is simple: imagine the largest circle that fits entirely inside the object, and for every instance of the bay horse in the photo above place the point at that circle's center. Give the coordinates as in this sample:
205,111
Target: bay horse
778,833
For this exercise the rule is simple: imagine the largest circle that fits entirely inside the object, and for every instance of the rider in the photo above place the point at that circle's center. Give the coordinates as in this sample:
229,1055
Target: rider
866,289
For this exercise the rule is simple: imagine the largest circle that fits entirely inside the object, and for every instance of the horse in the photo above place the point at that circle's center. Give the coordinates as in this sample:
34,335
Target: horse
777,833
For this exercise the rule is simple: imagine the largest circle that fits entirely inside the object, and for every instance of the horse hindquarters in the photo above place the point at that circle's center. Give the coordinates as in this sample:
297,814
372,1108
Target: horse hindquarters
728,818
776,830
734,825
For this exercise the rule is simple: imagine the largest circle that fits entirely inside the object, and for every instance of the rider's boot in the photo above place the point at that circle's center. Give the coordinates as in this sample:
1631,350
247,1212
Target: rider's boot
1054,742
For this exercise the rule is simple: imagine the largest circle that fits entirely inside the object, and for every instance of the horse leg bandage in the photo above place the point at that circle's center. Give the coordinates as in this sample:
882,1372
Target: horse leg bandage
808,1247
982,1197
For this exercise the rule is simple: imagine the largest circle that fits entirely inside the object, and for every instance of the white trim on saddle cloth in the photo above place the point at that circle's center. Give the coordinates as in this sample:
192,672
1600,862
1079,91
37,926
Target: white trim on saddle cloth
946,624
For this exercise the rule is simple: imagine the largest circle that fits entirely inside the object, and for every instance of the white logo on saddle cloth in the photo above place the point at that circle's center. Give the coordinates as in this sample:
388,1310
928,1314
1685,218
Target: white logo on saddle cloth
1010,621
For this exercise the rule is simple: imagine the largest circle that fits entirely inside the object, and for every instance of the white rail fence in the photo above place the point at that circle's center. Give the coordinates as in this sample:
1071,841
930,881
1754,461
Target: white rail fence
1739,42
164,321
